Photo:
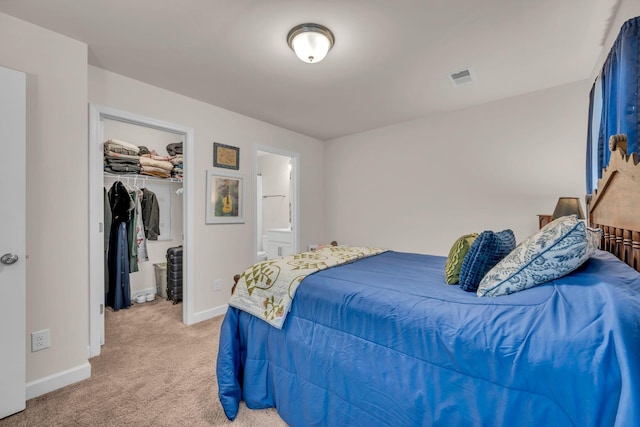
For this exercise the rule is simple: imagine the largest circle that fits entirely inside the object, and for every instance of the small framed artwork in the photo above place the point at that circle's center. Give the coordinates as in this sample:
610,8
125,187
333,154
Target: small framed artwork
226,156
225,198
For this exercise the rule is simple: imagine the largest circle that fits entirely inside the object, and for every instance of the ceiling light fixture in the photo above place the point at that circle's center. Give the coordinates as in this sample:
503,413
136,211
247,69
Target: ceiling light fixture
310,42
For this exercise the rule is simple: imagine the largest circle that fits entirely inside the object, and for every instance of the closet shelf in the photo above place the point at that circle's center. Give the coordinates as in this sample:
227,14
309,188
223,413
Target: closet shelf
143,178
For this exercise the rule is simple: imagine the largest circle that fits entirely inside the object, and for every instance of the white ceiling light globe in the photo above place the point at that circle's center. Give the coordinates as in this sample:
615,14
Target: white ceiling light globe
310,42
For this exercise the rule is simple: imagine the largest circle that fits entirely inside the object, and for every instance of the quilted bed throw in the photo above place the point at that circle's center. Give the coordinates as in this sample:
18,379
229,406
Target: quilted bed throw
266,290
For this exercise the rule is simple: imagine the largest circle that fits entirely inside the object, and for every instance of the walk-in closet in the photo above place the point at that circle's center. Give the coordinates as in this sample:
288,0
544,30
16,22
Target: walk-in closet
140,205
142,183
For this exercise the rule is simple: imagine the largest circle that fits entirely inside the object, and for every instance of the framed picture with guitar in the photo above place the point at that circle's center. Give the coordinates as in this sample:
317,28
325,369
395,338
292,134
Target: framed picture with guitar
224,198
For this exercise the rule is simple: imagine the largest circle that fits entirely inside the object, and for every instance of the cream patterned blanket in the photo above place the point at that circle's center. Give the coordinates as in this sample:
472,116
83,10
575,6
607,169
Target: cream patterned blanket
266,289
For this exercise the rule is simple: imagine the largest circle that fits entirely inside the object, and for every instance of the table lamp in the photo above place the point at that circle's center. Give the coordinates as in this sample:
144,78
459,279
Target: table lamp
568,206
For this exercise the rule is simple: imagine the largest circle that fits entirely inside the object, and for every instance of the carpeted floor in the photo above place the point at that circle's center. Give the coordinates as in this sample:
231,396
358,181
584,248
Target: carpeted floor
153,371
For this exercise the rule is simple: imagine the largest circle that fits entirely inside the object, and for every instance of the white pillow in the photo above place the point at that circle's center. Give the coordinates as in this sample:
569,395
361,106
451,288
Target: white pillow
556,250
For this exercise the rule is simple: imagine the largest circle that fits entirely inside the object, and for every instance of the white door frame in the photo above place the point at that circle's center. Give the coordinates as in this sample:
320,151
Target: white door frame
97,115
12,214
295,195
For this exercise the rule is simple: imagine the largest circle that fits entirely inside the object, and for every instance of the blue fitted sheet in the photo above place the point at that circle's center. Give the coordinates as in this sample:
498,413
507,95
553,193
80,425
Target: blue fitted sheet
384,341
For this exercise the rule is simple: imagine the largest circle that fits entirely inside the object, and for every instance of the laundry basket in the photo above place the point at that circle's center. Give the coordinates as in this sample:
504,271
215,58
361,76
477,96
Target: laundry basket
161,279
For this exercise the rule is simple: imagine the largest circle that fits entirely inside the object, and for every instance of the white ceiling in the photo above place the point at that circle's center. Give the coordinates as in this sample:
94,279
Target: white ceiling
390,62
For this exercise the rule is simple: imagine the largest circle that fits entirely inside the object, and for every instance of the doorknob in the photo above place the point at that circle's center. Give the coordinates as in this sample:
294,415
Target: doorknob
9,259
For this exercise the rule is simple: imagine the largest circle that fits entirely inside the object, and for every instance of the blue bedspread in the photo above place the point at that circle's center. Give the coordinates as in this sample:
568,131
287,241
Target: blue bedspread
384,341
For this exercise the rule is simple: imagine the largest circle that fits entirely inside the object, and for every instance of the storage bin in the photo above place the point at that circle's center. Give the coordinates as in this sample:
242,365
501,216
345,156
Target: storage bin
161,279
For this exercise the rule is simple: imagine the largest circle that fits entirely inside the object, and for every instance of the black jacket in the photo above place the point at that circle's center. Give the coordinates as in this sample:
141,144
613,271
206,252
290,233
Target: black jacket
150,214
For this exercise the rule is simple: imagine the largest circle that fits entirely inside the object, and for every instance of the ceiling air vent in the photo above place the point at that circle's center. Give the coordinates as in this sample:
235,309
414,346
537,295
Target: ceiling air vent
462,77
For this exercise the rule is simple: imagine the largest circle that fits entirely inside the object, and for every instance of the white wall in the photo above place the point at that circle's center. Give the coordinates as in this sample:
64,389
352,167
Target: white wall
57,193
58,83
626,10
221,250
419,185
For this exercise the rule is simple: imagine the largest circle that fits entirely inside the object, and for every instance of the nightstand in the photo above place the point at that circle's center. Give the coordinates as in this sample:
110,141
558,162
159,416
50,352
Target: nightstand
544,219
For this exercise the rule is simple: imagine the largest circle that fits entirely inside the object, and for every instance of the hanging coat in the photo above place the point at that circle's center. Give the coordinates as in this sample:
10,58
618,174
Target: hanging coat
119,291
150,214
121,203
132,235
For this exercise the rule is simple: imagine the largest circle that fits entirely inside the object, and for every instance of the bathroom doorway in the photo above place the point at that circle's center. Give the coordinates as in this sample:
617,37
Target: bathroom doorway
276,224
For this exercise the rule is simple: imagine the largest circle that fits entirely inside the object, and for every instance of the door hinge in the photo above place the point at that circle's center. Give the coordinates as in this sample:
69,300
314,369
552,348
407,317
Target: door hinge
101,308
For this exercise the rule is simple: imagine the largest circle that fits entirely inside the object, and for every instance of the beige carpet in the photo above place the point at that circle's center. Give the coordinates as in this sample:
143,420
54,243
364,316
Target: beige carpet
153,371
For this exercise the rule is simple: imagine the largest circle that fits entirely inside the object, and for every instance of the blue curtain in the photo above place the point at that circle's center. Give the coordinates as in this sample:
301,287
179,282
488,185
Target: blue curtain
620,80
589,141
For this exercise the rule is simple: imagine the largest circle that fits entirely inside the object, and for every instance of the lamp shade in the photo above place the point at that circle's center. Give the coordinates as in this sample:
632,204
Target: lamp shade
310,42
568,206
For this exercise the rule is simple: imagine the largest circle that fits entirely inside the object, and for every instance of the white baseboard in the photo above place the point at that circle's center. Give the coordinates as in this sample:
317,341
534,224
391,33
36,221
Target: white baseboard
210,313
61,379
82,372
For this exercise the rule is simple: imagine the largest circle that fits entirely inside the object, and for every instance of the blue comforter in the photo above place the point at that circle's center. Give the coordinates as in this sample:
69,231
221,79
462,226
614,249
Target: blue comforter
384,341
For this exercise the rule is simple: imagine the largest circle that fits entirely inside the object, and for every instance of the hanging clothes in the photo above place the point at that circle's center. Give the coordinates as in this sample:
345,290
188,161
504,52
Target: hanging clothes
119,290
132,234
121,203
150,214
141,239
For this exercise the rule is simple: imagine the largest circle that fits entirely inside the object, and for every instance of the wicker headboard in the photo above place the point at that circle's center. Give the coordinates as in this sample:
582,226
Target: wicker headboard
615,206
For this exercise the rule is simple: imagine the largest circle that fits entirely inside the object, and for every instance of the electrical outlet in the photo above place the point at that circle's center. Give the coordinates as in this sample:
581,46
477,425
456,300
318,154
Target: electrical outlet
40,340
216,285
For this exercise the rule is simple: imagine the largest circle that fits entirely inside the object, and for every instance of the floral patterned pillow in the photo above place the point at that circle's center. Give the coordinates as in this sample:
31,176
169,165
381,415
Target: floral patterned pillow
555,251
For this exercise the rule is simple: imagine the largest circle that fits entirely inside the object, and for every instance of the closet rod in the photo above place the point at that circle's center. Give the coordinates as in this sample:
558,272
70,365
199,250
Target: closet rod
274,195
143,178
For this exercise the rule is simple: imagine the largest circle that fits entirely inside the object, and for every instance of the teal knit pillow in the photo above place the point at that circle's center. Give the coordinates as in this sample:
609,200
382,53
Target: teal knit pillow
487,250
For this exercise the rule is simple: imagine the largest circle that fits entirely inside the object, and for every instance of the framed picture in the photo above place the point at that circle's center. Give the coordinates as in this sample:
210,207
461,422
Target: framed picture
226,156
225,198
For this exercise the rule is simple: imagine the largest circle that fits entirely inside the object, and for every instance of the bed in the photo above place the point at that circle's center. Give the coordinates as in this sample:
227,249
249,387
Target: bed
384,341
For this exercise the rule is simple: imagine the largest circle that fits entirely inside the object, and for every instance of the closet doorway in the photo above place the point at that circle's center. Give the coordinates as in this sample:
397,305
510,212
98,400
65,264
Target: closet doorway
277,212
104,122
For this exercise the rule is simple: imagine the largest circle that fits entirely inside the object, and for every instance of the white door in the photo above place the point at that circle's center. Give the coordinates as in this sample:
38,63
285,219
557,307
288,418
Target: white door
12,241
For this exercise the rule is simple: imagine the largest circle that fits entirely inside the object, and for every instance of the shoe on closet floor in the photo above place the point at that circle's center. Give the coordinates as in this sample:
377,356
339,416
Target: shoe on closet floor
140,299
151,297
